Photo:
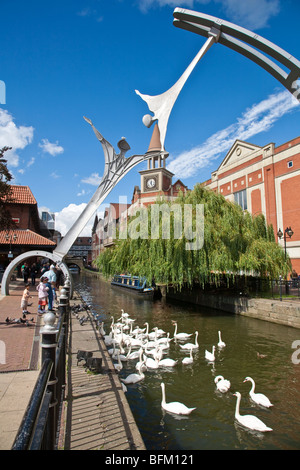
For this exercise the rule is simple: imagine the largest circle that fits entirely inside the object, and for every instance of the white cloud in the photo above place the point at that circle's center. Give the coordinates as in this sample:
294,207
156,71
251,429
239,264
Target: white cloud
82,193
31,161
68,216
54,175
251,14
51,148
259,118
94,179
13,136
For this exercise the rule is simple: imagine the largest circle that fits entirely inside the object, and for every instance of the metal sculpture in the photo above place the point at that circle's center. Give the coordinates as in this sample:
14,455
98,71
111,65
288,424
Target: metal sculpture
241,40
116,167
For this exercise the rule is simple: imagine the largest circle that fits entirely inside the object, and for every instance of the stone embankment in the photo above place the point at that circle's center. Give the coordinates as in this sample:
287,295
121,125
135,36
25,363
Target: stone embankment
286,312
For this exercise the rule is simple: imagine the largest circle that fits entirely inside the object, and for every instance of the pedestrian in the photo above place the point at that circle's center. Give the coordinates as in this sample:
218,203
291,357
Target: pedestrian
26,272
43,295
59,277
33,273
24,301
53,286
50,296
50,274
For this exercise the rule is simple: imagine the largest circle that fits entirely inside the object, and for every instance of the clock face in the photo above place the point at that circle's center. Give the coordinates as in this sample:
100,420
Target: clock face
150,183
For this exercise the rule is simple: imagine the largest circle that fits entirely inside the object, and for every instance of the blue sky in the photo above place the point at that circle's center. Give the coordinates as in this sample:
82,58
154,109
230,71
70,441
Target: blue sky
62,60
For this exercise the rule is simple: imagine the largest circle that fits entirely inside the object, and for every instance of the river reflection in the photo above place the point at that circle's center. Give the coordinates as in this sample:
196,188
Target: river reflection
212,424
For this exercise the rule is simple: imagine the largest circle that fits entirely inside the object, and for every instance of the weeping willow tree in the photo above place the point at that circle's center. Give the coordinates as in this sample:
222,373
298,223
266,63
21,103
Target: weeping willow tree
234,241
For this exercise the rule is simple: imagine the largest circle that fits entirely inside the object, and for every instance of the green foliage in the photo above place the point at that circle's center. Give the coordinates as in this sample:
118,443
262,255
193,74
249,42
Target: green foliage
235,242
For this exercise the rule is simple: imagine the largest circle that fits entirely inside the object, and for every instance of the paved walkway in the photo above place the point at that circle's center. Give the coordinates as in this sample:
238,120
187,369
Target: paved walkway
96,414
19,362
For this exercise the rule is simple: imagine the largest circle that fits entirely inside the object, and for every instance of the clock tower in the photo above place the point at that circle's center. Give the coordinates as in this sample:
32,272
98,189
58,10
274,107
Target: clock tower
156,179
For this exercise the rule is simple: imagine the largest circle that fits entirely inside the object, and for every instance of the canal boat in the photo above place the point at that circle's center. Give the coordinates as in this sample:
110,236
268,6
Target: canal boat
133,283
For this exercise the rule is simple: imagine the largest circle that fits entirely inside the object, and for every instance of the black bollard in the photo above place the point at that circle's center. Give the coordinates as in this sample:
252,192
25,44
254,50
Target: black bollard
49,346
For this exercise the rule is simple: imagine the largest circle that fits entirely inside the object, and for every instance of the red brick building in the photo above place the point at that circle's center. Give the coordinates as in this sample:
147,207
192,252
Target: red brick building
265,180
28,233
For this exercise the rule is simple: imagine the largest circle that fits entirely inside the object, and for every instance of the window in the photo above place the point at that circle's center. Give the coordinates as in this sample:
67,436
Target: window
290,164
240,198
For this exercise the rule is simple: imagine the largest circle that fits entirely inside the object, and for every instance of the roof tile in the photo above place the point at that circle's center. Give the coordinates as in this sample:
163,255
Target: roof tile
22,195
24,237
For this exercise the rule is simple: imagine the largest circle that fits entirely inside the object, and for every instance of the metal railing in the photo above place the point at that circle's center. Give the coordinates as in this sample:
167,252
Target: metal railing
40,426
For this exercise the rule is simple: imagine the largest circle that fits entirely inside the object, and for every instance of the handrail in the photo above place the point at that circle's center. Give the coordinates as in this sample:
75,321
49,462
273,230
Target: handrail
26,429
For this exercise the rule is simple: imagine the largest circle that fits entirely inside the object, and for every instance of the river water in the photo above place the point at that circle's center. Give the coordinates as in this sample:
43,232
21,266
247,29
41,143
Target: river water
212,425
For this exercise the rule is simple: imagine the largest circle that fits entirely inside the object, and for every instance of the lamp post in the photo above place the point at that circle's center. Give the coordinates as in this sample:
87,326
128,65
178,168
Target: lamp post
11,238
287,233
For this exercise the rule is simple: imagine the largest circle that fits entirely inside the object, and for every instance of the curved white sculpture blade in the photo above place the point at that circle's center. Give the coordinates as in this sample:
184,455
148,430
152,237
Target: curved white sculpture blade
161,105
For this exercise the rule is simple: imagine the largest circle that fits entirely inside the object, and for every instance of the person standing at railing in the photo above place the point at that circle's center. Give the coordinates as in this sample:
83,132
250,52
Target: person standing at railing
43,295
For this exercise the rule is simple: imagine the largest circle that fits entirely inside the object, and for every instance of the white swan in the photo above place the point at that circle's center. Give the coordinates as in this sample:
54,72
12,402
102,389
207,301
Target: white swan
142,362
249,421
188,360
133,355
102,331
221,343
152,363
210,356
175,406
258,398
180,336
134,378
118,366
167,362
223,385
191,345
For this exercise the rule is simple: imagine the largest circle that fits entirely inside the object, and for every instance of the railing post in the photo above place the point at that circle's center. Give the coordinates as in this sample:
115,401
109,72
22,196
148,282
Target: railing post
49,345
63,302
280,288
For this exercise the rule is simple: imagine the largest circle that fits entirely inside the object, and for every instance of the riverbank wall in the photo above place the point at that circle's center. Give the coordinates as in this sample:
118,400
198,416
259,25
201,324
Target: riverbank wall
286,312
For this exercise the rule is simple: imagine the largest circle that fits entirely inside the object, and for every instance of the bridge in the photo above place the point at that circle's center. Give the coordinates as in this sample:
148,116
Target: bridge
74,261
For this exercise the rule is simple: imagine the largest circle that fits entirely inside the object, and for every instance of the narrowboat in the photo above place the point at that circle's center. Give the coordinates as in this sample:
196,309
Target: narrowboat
132,283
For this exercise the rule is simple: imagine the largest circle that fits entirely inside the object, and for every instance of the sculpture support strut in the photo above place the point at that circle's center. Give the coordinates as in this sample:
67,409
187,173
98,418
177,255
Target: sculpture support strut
240,40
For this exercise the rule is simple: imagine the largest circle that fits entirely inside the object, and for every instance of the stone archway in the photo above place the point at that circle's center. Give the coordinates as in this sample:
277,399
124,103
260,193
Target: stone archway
29,254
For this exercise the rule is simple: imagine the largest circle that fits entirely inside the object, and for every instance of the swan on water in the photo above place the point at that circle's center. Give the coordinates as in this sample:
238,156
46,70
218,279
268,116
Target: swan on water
152,363
189,359
167,362
223,385
174,407
134,354
258,398
249,421
102,331
191,345
181,336
134,378
221,343
142,362
210,356
118,366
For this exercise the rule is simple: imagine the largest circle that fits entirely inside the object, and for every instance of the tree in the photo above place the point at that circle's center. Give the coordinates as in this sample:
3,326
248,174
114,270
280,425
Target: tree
5,192
234,242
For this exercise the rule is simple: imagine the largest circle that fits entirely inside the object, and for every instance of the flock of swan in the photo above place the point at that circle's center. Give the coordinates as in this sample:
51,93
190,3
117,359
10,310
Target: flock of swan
126,342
